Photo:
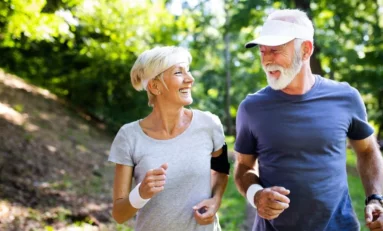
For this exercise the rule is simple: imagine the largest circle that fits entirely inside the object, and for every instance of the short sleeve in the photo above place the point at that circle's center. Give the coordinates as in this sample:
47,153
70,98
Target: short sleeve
120,152
359,128
218,133
245,141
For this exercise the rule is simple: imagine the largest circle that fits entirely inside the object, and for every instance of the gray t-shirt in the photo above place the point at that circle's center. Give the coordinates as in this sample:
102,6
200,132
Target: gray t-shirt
188,174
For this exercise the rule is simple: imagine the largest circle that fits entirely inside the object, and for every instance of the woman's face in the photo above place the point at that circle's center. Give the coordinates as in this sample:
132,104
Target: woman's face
179,81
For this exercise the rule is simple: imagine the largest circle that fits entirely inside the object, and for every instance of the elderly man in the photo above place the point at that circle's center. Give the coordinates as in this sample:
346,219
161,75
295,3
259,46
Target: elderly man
297,128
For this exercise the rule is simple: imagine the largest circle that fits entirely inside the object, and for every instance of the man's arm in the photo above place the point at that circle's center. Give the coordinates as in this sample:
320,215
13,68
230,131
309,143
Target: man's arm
245,172
369,164
370,168
270,202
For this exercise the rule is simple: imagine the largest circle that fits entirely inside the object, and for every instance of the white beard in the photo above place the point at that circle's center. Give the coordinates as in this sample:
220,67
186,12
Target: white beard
287,74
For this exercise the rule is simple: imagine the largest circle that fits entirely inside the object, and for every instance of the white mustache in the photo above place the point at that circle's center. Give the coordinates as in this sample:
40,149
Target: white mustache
273,67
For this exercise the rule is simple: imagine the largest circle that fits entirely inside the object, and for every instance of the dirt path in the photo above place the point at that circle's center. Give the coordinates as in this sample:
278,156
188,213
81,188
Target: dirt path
53,168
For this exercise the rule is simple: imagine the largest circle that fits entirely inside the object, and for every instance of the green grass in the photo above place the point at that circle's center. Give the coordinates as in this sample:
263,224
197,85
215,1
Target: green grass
230,142
356,190
122,227
233,207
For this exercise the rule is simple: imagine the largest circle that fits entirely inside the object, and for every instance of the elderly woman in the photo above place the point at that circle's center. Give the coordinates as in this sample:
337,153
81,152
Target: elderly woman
169,152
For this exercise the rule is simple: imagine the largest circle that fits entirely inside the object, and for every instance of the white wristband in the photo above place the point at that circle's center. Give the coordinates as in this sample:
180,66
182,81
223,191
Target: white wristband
135,199
251,191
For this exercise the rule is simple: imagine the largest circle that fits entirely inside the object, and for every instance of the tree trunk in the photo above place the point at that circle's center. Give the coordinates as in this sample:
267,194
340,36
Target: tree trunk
316,67
228,76
380,120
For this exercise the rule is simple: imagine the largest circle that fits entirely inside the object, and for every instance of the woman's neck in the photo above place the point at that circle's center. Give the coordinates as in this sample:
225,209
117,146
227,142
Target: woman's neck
168,122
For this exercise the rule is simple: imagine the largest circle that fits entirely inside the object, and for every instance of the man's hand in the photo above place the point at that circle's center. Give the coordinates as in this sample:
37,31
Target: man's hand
374,216
204,212
271,202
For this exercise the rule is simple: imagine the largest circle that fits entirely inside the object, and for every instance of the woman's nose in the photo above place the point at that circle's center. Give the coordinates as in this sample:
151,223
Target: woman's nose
189,77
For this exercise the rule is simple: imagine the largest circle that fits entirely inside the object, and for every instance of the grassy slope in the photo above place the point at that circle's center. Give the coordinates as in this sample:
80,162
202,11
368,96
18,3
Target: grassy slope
53,169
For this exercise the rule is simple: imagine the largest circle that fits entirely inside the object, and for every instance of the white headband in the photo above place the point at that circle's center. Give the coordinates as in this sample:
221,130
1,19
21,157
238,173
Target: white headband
172,60
277,32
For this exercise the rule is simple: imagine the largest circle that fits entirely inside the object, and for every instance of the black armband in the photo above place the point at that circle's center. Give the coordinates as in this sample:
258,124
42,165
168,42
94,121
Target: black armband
221,163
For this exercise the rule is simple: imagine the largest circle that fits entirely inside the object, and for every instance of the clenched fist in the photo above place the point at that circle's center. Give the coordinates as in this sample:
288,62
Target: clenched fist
271,202
153,182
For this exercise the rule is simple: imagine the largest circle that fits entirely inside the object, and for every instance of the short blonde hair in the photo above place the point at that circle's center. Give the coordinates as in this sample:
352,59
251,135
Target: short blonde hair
152,63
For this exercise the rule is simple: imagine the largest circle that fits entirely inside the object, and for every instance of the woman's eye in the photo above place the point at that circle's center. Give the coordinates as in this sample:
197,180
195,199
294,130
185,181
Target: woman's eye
178,72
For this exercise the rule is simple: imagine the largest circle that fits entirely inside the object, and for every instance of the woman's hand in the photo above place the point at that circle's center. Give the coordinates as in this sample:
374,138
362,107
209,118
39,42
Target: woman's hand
153,182
205,211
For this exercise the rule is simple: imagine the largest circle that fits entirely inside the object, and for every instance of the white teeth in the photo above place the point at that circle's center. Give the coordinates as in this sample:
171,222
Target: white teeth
184,90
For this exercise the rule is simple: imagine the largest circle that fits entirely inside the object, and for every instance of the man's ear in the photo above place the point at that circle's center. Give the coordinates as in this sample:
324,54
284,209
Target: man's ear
307,50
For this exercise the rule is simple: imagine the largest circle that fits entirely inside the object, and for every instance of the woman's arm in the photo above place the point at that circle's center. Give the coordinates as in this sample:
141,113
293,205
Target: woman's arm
205,211
218,179
153,183
122,209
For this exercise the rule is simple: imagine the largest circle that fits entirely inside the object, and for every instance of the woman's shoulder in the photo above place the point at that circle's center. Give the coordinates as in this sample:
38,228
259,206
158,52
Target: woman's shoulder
130,127
206,116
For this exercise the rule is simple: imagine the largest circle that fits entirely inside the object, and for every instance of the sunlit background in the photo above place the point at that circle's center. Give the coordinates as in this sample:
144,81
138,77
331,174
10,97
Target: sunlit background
65,90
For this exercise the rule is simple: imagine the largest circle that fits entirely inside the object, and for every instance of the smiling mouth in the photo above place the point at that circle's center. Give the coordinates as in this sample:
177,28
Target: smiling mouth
185,90
273,72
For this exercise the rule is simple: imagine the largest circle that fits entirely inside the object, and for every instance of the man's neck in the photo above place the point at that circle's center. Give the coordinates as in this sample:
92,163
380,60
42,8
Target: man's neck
302,82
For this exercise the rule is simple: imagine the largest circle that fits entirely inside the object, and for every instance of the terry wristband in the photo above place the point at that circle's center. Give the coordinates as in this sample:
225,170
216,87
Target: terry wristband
251,191
135,199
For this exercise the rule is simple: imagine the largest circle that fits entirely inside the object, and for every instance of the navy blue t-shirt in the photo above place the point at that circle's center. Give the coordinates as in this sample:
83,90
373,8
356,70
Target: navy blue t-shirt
300,143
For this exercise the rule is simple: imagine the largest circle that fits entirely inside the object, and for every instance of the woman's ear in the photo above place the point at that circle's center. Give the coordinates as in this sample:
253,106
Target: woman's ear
153,87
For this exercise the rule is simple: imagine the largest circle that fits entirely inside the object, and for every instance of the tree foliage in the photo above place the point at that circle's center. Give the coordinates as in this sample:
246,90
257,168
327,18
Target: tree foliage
83,50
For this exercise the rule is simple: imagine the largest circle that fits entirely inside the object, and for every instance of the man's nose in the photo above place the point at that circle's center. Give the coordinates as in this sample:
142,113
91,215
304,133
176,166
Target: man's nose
267,59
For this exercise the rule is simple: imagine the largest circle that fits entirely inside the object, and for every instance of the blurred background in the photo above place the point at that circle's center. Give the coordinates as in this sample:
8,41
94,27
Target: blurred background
65,90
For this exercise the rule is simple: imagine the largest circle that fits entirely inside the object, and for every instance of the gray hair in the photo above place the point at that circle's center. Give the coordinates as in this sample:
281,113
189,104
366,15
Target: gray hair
152,63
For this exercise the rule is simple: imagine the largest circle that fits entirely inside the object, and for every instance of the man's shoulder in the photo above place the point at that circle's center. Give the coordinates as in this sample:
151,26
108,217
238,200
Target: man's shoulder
258,96
334,84
341,89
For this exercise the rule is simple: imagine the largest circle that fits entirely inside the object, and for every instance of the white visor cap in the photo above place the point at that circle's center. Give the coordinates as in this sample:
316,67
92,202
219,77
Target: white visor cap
277,32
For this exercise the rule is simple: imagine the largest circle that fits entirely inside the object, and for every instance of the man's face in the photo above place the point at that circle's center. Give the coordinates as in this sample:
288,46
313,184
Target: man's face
281,64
